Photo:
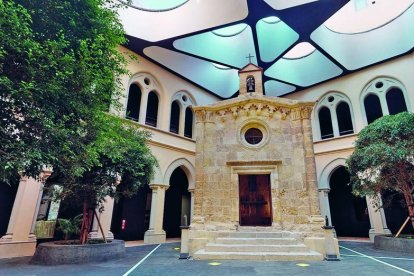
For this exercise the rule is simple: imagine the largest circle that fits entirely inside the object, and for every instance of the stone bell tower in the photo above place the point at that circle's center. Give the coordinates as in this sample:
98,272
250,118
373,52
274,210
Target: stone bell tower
251,80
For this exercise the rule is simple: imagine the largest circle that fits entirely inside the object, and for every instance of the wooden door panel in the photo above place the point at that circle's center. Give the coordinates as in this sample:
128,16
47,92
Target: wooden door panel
255,200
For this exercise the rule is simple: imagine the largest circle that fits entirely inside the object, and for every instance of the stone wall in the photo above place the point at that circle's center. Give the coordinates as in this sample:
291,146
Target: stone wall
286,153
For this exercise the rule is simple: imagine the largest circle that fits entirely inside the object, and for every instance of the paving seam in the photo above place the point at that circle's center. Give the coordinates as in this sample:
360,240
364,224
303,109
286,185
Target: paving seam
374,259
141,261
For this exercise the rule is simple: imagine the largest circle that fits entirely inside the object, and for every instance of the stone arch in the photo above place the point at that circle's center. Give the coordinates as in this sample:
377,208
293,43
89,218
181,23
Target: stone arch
186,166
325,176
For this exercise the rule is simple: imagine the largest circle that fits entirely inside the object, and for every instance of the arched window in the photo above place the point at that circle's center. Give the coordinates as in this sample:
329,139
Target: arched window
188,128
134,102
372,106
152,109
343,114
175,117
395,101
325,123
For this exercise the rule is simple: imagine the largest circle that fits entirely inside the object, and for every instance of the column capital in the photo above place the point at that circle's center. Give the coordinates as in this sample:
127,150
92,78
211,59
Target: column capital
155,186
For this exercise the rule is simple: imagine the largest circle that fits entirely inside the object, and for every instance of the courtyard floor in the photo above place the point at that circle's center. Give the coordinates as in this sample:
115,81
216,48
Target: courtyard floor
357,259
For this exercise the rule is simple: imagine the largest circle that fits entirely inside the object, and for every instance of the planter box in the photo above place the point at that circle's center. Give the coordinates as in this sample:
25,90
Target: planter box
394,244
50,253
45,229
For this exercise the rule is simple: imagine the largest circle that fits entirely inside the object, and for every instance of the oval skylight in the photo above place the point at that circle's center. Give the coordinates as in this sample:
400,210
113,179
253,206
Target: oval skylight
301,50
157,5
230,31
352,19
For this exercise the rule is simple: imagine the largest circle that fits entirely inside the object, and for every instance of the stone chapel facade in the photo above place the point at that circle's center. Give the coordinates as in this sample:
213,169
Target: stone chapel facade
255,166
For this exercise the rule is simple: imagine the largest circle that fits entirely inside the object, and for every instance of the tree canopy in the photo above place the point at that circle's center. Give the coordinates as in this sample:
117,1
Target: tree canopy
384,158
59,68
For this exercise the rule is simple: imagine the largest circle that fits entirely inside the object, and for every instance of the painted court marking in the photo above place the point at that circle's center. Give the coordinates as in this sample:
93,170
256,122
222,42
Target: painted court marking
374,259
142,260
390,258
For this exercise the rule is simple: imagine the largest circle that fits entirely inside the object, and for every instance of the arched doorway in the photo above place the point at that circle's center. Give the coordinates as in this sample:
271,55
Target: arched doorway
130,218
349,214
395,209
7,197
177,203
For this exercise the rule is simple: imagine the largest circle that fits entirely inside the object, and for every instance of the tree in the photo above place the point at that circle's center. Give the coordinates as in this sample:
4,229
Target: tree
119,153
384,159
59,74
59,68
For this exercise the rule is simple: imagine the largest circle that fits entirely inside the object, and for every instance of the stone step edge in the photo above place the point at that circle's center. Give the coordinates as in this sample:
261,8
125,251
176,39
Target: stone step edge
300,245
310,253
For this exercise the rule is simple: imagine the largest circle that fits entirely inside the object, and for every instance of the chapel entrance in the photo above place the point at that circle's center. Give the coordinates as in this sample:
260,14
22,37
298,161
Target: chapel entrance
255,200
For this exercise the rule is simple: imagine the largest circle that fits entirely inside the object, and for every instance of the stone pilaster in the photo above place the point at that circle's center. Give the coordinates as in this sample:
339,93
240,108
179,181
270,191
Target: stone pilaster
377,219
155,233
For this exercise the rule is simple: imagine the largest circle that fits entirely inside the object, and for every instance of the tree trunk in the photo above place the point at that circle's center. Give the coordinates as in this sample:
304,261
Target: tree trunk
86,221
410,204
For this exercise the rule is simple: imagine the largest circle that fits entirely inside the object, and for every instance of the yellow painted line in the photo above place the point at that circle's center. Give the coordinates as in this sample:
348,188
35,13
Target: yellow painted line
374,259
302,265
214,263
176,248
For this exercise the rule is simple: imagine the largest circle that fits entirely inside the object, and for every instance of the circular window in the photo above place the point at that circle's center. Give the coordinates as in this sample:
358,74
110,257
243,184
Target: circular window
184,98
253,136
147,81
331,99
379,84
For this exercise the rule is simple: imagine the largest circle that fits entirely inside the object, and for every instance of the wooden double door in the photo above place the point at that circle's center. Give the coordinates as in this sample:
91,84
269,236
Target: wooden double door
255,200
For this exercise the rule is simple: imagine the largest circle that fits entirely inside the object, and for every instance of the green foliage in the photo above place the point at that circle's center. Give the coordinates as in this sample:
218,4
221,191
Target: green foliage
384,156
59,69
69,227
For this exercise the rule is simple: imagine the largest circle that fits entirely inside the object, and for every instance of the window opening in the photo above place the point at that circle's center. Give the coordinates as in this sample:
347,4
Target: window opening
134,102
152,110
325,123
343,114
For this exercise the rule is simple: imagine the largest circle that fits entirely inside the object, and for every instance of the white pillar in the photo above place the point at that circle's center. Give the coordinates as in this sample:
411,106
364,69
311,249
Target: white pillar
181,123
192,205
377,219
19,239
335,125
105,217
324,202
155,233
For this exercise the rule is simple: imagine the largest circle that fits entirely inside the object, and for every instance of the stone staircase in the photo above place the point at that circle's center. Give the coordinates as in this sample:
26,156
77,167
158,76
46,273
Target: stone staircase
266,246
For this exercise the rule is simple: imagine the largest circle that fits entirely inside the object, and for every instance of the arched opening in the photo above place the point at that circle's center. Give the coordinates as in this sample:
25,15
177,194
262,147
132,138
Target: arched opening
372,106
325,123
349,213
396,101
131,215
134,102
7,197
188,128
152,109
175,117
395,209
343,114
177,204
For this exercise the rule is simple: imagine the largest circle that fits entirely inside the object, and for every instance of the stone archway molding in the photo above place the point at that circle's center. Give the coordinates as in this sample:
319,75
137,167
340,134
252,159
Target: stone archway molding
326,173
186,166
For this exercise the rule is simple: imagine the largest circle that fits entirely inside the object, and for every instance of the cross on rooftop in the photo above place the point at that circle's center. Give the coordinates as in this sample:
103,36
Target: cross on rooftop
250,58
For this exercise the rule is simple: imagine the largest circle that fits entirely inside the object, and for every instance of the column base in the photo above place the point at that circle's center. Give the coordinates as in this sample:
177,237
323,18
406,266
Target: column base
97,235
372,233
151,237
17,249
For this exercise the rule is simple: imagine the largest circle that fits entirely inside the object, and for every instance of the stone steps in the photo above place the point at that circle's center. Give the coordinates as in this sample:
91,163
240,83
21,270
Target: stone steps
259,241
216,247
263,256
257,245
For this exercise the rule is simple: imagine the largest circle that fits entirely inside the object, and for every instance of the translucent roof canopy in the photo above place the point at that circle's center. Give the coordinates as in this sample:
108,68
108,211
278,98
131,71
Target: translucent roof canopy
298,43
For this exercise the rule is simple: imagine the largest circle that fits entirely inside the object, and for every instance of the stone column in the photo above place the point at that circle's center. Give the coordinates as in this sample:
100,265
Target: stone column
377,219
191,205
105,217
324,202
182,121
155,233
143,107
19,239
